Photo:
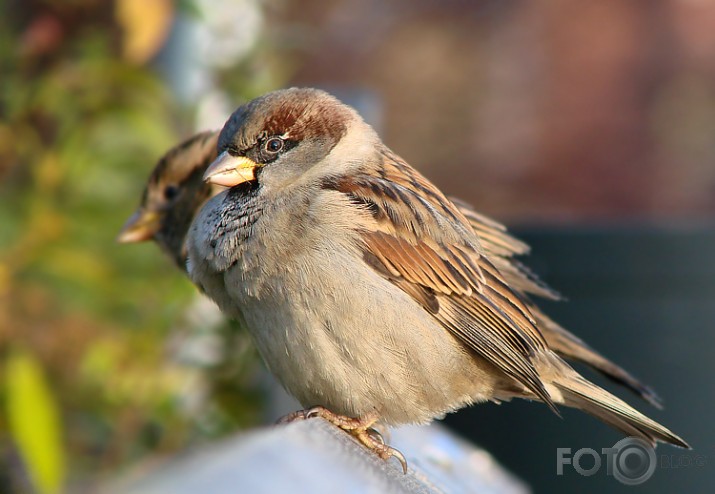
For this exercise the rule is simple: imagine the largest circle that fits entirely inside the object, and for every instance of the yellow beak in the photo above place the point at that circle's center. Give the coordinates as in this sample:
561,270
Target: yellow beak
140,227
229,170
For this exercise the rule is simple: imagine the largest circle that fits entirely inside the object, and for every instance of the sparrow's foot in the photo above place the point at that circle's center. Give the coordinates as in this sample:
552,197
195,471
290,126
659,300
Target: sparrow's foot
373,441
360,428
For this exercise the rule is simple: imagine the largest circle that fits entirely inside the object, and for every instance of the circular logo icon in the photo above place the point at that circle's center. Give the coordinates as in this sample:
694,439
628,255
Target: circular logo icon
634,461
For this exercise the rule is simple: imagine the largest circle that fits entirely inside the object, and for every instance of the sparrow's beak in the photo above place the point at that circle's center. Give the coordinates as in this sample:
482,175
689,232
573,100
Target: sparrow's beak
140,227
229,170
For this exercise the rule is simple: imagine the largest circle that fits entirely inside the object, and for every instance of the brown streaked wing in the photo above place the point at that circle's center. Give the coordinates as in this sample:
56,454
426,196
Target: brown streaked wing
501,247
425,246
491,232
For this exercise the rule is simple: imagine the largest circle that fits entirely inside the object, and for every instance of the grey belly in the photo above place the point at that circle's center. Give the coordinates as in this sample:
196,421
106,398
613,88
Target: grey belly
351,341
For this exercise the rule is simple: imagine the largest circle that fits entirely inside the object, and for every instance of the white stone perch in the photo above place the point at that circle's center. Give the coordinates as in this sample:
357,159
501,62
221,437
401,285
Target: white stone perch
315,457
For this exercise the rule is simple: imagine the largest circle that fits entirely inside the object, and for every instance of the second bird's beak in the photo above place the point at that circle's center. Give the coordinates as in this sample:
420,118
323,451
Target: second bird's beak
229,170
140,227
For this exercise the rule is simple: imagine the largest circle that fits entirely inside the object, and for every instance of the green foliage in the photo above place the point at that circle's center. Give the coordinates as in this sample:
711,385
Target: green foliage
96,384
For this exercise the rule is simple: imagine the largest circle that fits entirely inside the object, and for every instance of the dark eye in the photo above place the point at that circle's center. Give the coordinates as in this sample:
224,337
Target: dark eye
170,192
274,145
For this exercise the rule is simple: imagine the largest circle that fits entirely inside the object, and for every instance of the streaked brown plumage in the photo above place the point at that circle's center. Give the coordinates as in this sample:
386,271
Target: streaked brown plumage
366,290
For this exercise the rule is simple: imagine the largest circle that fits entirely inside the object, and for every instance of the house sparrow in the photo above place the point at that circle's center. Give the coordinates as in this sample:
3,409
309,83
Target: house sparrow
175,192
367,293
172,197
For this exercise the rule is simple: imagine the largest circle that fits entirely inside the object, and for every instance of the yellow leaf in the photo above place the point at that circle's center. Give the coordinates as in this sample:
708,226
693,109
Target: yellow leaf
5,279
146,26
34,422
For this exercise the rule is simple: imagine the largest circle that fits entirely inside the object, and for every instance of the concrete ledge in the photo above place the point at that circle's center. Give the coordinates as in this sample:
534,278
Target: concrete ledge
314,457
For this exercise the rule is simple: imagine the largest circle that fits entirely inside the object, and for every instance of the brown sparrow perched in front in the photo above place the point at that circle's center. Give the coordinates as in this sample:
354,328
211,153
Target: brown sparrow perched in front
367,291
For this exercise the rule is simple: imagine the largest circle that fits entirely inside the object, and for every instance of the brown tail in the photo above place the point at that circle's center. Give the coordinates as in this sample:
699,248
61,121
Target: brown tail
573,348
586,396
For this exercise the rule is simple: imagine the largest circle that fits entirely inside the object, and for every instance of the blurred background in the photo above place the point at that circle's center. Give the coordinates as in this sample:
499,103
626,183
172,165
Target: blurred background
587,127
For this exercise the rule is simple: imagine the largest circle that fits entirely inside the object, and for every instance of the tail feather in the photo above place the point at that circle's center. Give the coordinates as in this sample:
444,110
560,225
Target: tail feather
573,348
579,393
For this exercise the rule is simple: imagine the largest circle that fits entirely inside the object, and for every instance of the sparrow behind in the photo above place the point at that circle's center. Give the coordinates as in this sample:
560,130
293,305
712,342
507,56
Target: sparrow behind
366,290
173,195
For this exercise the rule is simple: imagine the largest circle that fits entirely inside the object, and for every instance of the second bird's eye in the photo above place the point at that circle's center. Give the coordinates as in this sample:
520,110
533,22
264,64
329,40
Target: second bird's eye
274,145
170,192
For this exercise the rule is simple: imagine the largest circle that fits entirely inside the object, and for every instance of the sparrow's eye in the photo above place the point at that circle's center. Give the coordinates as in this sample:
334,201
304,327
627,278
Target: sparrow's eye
274,145
170,192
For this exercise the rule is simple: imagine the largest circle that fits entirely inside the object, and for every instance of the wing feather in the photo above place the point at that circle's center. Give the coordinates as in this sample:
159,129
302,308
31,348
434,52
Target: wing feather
422,243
